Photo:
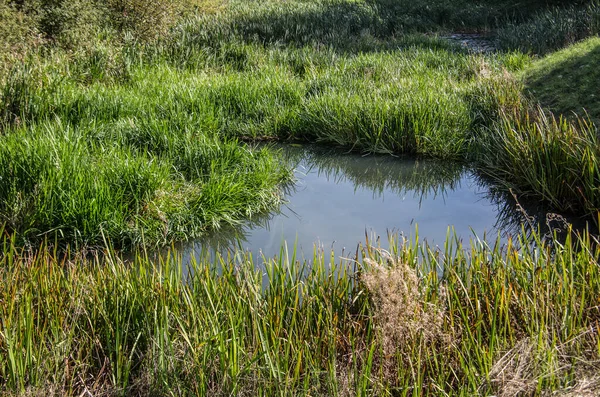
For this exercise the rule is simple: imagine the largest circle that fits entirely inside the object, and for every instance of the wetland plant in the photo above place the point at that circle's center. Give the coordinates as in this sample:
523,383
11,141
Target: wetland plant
456,320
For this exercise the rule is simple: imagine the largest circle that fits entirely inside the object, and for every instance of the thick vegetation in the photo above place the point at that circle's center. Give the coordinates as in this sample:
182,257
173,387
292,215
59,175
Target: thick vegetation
130,123
121,119
471,320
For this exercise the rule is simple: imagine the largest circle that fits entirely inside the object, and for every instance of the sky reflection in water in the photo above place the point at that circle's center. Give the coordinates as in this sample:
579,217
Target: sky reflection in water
340,197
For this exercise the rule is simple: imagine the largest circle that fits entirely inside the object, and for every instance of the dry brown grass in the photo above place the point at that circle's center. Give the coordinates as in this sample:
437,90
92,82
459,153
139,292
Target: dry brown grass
532,364
402,311
407,322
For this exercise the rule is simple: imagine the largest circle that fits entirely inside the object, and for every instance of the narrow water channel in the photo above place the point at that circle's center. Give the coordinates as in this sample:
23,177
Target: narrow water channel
339,198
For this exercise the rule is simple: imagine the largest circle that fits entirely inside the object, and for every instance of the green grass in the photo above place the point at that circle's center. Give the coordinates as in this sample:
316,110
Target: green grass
566,81
465,320
125,163
544,157
159,121
163,142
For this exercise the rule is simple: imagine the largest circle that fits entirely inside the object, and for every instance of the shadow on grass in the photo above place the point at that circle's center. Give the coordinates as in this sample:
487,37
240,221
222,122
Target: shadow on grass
344,26
567,81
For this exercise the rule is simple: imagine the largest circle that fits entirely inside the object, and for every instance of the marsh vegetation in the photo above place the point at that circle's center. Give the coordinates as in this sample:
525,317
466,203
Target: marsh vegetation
129,124
472,319
155,108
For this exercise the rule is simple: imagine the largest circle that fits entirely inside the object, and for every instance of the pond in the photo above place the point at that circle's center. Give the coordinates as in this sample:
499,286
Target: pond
339,199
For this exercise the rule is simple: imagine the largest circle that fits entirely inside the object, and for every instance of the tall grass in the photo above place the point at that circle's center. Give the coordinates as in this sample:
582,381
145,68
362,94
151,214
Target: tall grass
175,133
545,157
62,181
171,112
552,29
410,320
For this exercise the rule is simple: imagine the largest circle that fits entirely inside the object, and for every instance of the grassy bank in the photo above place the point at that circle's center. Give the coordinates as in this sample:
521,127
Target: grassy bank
163,140
469,320
565,82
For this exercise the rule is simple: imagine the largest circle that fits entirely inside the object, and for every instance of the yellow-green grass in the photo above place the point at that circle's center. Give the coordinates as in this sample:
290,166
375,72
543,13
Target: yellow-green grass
413,320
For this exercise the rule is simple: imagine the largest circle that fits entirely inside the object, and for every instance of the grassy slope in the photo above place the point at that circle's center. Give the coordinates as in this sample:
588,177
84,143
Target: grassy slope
568,81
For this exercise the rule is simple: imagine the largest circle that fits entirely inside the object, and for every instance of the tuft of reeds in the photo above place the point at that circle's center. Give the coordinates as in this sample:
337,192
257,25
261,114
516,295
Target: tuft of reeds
545,157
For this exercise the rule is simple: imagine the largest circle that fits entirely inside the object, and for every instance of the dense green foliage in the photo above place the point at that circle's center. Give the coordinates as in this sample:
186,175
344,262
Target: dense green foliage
549,158
129,122
125,163
130,133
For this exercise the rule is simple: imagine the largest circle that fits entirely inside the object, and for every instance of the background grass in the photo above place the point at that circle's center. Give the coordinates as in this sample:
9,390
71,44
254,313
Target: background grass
177,88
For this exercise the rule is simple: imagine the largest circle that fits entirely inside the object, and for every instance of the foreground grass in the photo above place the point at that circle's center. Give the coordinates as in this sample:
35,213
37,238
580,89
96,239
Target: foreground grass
412,320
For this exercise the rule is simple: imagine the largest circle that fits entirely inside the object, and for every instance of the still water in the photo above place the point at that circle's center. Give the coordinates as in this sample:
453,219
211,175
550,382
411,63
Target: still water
339,198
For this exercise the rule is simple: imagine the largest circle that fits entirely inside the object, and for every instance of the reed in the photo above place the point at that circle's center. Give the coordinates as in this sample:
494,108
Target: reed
412,319
545,157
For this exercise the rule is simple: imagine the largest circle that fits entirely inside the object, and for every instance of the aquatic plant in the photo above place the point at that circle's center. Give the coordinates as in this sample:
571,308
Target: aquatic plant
461,319
545,157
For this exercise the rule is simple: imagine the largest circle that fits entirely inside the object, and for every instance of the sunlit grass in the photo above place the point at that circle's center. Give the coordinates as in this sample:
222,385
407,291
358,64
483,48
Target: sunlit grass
461,320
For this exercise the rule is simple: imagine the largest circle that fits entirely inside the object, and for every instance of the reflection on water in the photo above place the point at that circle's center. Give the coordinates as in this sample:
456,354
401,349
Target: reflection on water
515,215
339,198
379,174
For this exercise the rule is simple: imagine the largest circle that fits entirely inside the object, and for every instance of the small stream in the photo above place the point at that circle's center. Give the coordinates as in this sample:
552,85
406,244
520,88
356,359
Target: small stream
340,198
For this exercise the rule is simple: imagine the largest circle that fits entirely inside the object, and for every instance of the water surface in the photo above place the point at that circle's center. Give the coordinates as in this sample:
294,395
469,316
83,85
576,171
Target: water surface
339,198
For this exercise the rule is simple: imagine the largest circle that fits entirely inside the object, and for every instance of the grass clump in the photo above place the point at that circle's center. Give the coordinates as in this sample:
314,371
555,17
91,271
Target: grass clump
59,181
544,157
465,320
139,163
